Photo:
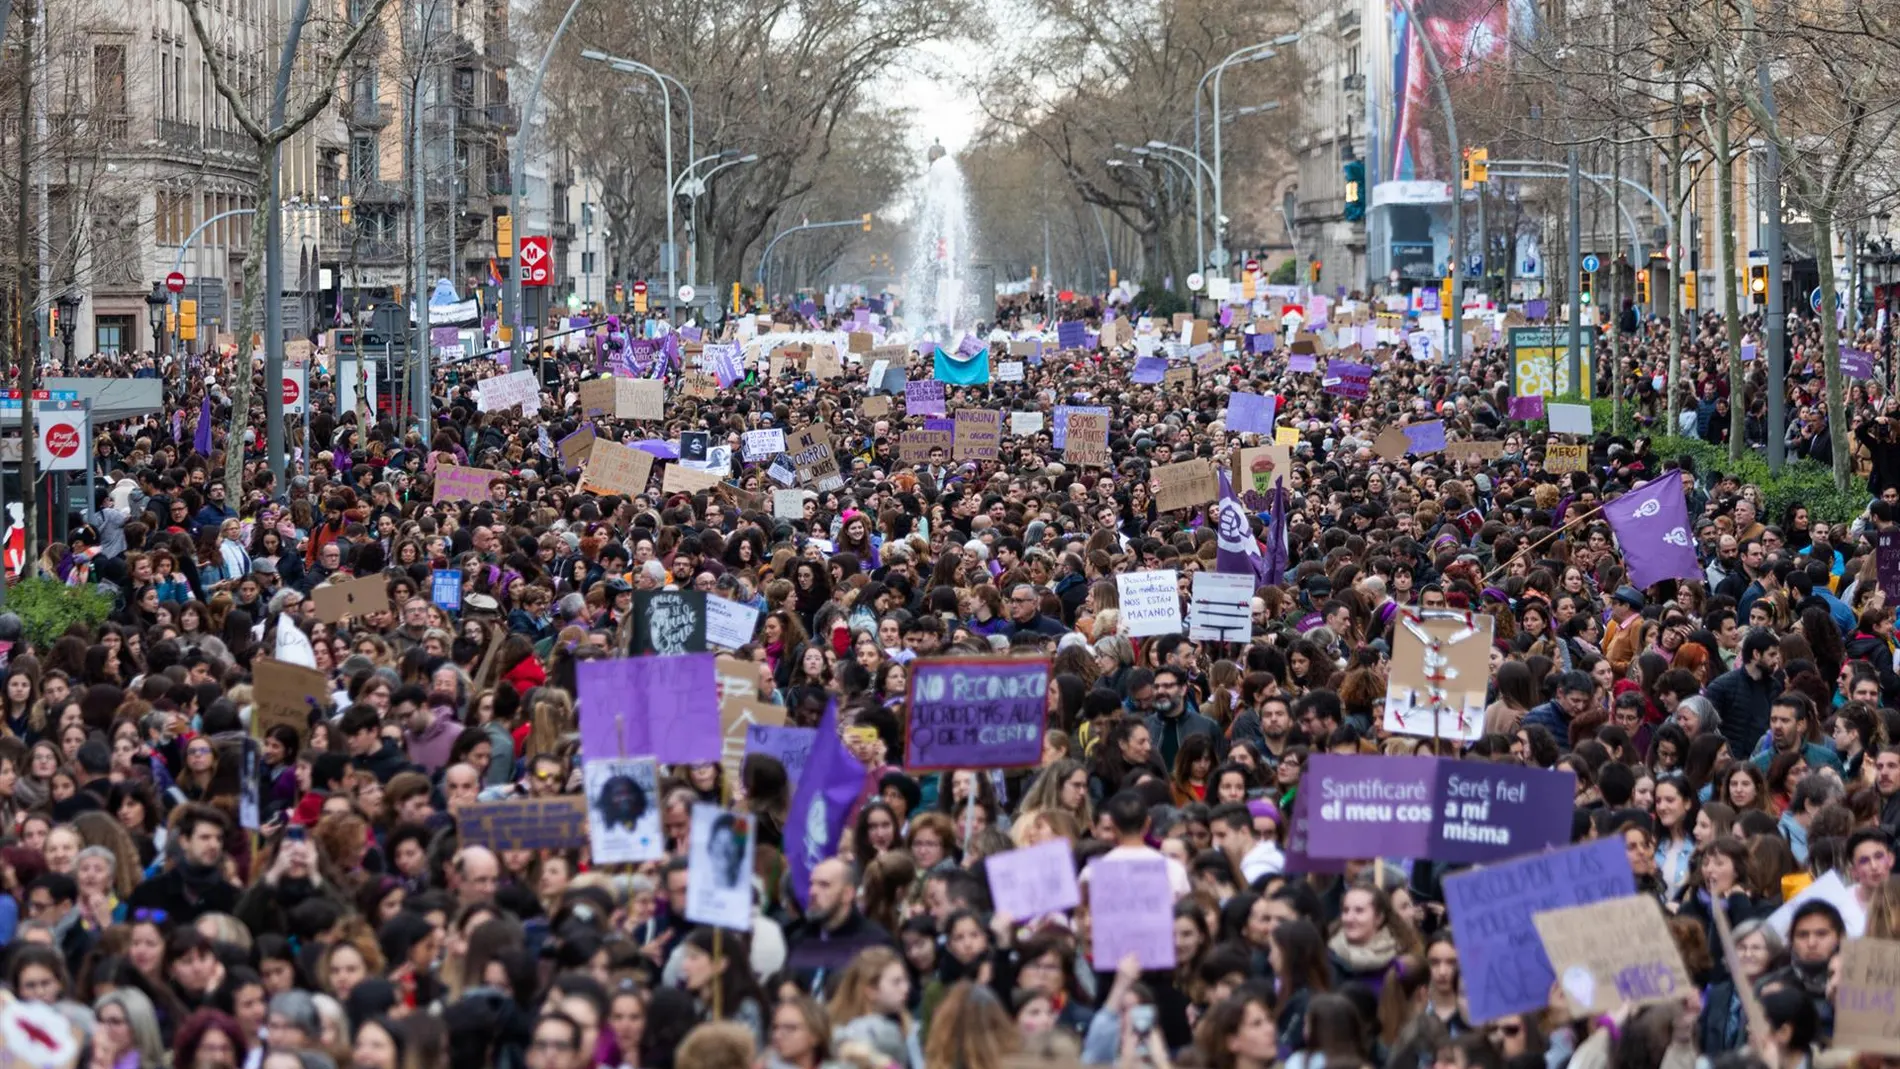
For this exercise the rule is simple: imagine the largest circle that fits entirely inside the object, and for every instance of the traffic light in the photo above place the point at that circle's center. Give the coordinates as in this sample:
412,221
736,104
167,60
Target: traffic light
1312,272
346,215
1688,291
1758,283
867,222
1586,282
1477,167
1642,286
188,320
1445,286
1355,190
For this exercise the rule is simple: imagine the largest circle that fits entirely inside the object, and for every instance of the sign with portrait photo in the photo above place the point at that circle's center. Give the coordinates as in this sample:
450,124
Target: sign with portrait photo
624,810
719,868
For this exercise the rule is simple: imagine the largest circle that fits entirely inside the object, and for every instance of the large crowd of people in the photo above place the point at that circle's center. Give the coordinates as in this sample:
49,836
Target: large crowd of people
181,886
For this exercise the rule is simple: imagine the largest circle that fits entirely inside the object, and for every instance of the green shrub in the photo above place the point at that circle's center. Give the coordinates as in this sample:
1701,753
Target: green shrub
1160,303
1804,482
47,607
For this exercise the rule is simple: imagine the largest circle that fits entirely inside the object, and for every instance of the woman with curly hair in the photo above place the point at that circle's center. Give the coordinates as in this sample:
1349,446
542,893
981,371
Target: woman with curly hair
1062,786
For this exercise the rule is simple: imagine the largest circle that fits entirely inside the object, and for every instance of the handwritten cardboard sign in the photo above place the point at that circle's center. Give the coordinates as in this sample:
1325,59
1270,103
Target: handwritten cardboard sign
1867,1000
640,399
812,455
613,468
1087,442
1561,458
597,397
576,448
354,598
551,822
913,447
284,693
979,431
1186,485
456,483
1034,880
1611,952
684,480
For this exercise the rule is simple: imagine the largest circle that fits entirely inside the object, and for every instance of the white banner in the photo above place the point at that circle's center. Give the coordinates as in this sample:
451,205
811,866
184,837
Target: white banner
502,392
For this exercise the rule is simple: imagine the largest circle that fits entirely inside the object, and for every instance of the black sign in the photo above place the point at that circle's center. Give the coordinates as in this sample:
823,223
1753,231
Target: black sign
669,622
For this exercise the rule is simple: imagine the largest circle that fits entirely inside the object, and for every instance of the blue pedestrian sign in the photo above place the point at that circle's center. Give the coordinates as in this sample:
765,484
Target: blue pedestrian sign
445,589
1814,299
1591,263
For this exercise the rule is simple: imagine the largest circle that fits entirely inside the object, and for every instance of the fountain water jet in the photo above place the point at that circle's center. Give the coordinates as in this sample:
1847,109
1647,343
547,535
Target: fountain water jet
937,300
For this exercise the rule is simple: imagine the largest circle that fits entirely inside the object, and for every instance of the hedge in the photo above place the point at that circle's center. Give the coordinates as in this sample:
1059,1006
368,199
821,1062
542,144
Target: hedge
1804,482
47,607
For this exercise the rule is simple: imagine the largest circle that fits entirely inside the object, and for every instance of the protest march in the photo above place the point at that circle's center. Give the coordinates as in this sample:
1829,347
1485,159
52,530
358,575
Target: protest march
1241,687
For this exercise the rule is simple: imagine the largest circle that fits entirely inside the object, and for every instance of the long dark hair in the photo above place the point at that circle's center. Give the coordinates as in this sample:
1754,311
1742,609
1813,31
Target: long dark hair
1302,959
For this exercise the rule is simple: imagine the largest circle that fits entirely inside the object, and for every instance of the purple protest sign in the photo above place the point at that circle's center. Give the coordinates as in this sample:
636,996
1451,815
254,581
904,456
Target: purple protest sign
924,397
969,346
1251,413
1302,362
1298,833
1887,562
1361,806
1527,407
1857,364
948,426
1749,351
1131,911
1034,880
662,707
692,334
442,337
860,319
1426,437
1347,379
1503,964
1227,315
1072,334
1150,369
792,746
1259,343
1536,309
1428,298
976,712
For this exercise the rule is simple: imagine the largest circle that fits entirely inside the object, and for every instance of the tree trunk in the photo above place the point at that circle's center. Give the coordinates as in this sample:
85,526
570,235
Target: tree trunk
241,371
1839,434
1731,316
26,353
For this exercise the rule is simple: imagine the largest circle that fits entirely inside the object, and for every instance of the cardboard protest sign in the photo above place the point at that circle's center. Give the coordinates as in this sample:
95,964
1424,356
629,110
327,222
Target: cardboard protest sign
597,397
1131,911
1465,449
1867,998
700,384
550,822
979,431
1186,485
1445,810
719,868
1612,952
613,468
355,597
824,362
812,456
623,795
737,716
1220,610
1503,963
669,622
576,448
913,447
975,712
1010,371
661,707
1151,604
1178,378
1033,880
1087,443
860,341
284,693
639,399
686,480
1059,421
455,483
1453,647
1391,444
1260,466
1022,424
1561,458
789,504
876,406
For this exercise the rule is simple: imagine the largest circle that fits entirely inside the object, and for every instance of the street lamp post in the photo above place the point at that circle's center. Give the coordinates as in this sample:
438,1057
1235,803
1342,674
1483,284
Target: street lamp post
518,177
68,315
1260,51
628,66
155,305
765,258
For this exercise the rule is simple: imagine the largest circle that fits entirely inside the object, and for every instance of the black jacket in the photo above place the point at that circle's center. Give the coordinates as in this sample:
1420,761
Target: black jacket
183,899
1743,702
814,951
384,763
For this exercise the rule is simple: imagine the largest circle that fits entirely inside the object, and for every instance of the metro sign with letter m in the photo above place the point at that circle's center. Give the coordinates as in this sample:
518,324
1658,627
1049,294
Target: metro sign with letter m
537,261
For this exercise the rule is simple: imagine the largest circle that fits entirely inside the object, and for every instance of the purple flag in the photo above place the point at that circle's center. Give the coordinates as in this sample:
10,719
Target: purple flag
1273,566
1236,550
1536,309
201,438
178,424
1652,525
831,782
1531,407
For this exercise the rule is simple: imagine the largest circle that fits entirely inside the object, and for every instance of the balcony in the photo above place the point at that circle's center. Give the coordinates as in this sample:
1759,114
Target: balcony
505,117
368,113
178,134
66,128
499,185
235,142
377,191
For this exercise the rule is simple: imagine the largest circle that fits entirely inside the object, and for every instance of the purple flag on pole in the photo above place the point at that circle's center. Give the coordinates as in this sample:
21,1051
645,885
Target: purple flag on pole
1273,566
178,424
201,438
831,781
1652,525
1236,550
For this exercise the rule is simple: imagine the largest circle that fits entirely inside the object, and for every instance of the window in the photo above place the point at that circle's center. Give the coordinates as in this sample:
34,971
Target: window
110,334
108,79
363,169
587,263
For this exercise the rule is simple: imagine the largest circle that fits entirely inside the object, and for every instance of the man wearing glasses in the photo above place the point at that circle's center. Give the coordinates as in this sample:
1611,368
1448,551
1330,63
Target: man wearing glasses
1025,613
556,1044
